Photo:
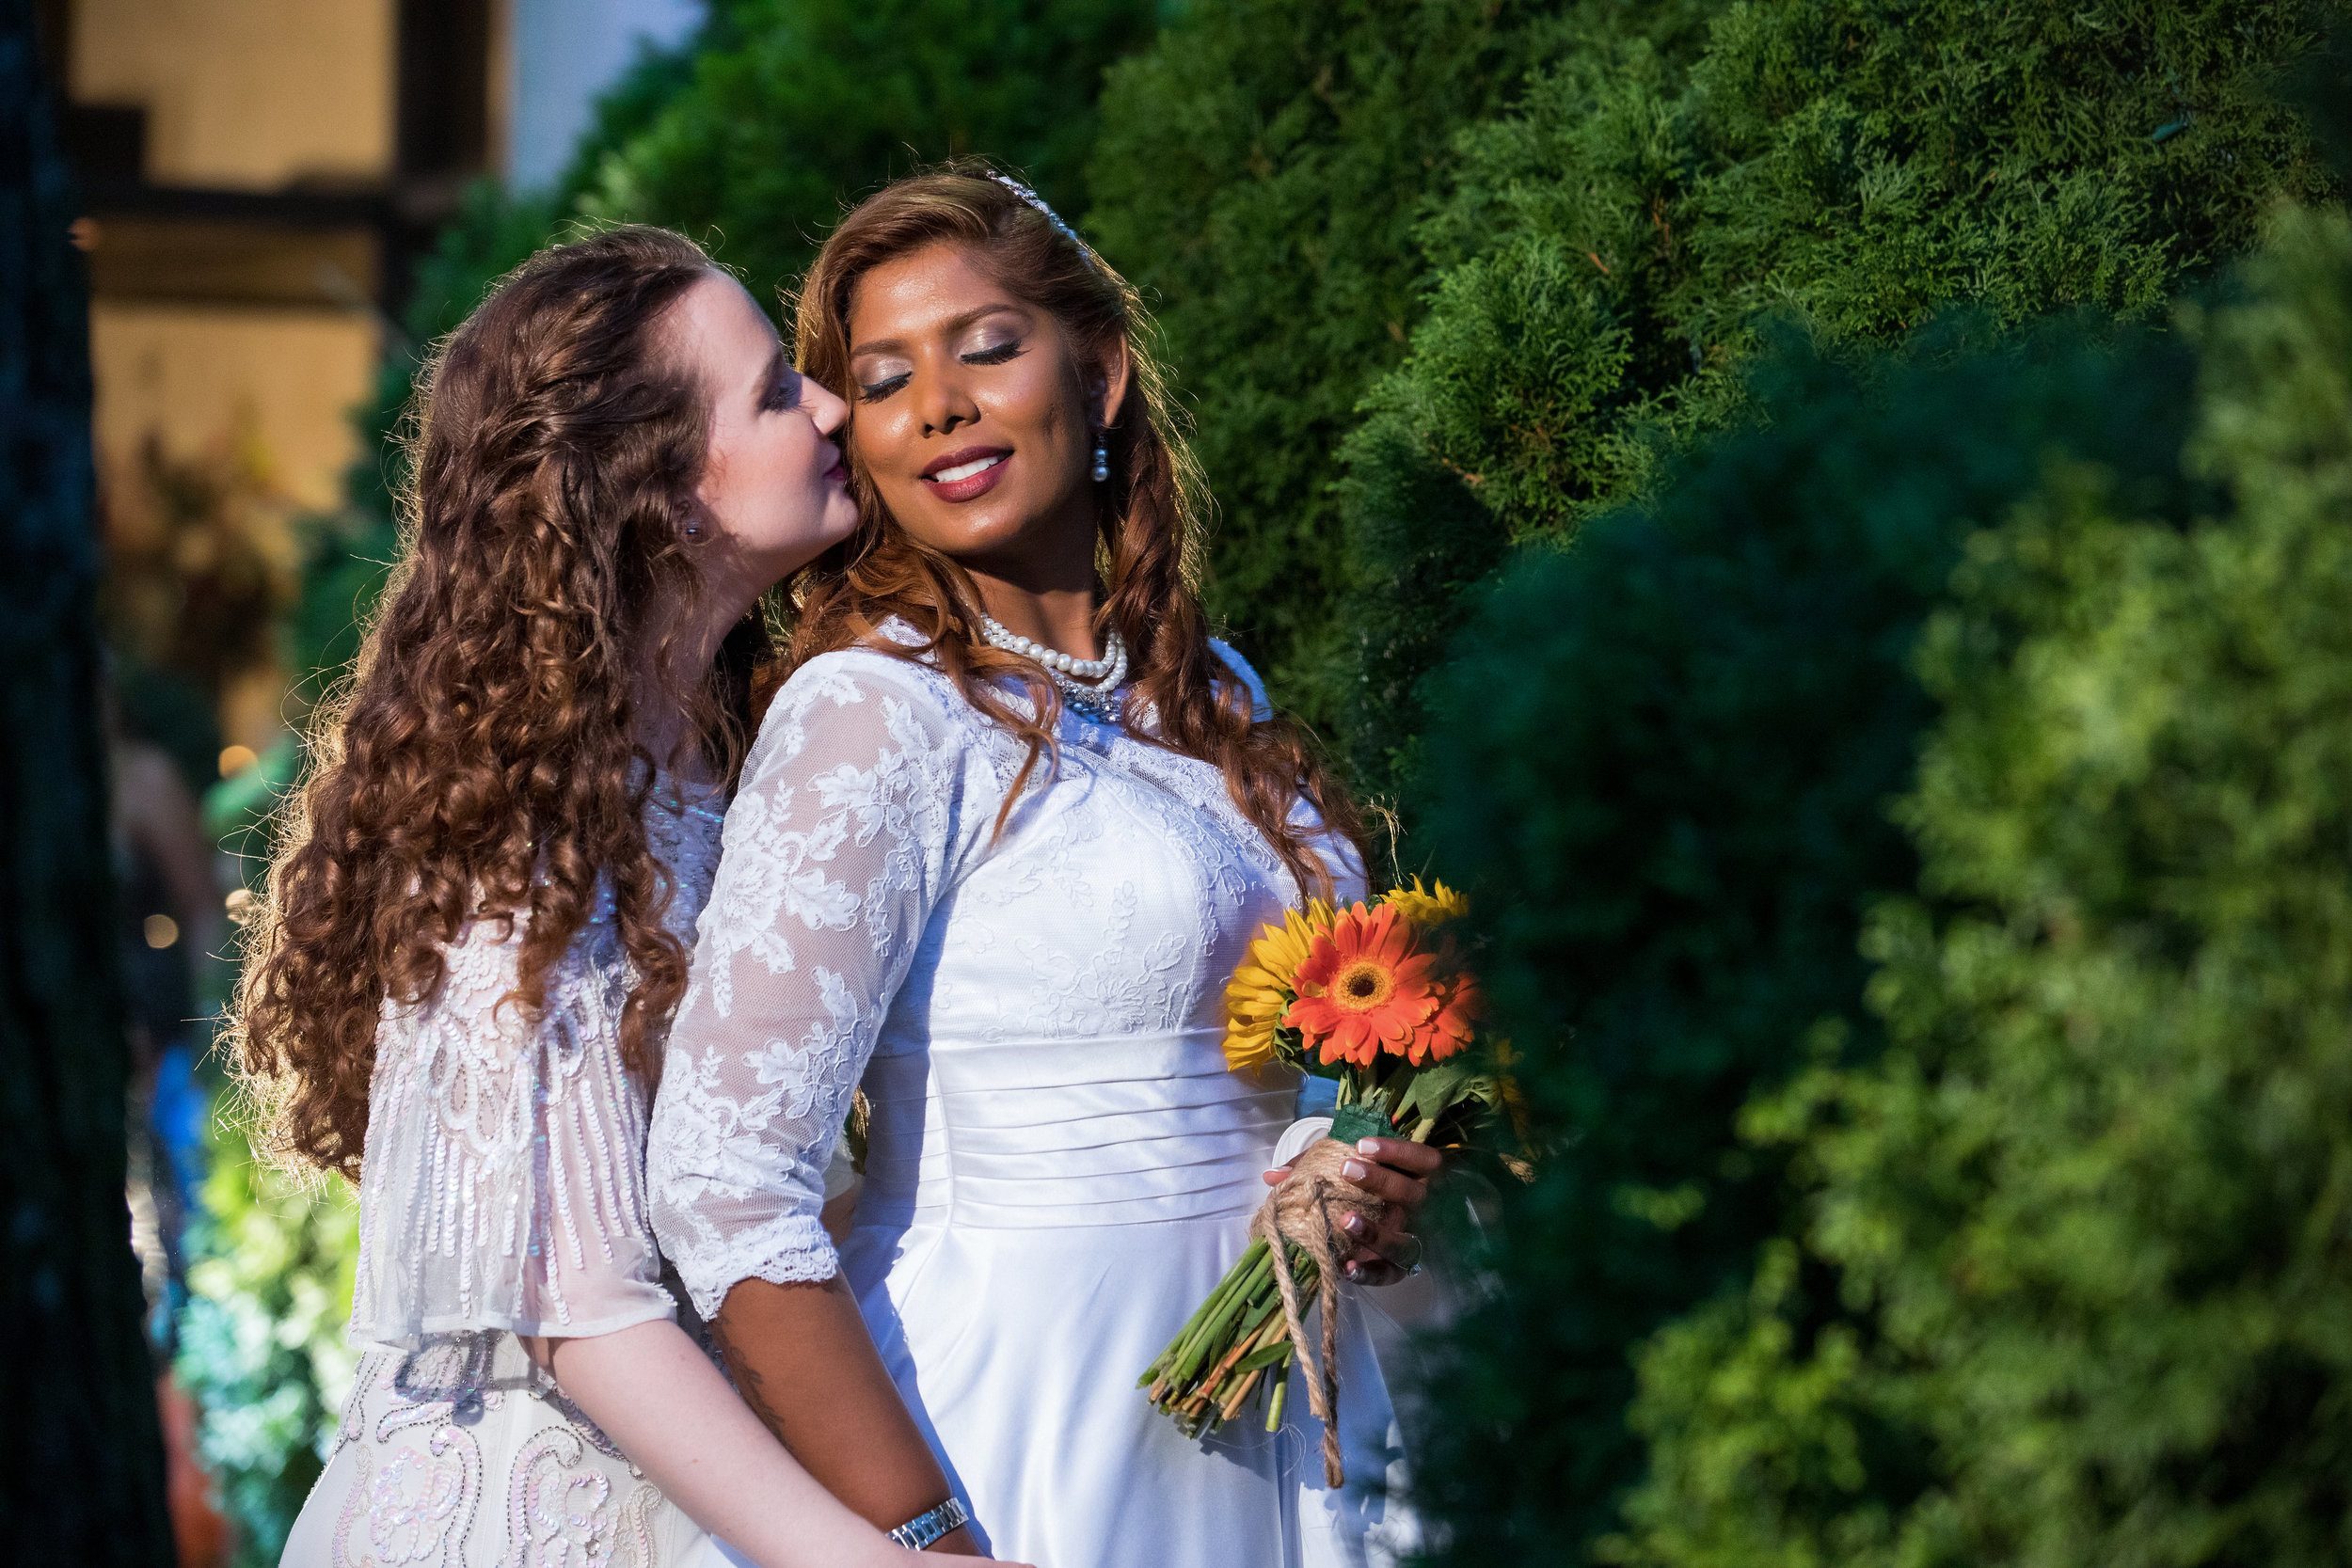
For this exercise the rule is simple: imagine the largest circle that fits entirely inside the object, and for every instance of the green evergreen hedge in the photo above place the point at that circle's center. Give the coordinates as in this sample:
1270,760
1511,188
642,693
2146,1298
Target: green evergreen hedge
1259,173
2070,1286
1611,247
1662,760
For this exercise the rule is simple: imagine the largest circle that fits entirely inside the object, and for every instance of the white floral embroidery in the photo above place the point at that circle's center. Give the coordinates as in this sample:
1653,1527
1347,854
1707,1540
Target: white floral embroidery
866,894
835,846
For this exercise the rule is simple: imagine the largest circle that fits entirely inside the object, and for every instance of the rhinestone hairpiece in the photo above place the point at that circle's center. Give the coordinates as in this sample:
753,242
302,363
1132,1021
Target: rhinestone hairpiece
1051,216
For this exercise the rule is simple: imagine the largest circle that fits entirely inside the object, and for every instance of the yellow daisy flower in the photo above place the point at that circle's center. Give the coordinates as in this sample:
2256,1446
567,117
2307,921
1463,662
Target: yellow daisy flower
1265,984
1428,906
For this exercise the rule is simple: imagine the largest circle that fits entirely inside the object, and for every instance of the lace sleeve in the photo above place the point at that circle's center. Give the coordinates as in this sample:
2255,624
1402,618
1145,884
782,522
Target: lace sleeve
836,849
504,1185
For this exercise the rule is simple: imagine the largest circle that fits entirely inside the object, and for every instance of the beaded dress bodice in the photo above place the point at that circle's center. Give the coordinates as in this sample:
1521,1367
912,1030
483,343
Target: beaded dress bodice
504,1180
503,1194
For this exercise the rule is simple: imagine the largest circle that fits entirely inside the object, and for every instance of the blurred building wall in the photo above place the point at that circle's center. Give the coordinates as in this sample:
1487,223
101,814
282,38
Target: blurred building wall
246,93
259,177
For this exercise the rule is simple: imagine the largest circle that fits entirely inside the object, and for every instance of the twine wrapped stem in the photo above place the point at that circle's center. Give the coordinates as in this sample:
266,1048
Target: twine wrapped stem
1307,1211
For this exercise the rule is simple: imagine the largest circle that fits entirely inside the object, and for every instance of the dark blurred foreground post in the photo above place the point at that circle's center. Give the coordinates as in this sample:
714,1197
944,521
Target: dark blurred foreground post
81,1468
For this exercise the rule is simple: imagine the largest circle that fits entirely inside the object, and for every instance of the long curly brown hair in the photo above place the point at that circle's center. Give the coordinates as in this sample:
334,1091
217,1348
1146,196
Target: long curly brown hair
482,761
1148,519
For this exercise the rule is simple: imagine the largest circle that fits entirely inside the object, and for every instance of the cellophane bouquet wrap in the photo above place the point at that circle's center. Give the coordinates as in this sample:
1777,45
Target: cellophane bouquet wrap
1378,996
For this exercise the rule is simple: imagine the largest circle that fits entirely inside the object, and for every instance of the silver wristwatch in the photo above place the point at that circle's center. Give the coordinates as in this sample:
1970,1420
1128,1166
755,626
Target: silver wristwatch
918,1533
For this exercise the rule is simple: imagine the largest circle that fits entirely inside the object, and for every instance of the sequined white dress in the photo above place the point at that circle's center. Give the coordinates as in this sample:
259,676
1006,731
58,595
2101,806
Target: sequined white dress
504,1193
1059,1166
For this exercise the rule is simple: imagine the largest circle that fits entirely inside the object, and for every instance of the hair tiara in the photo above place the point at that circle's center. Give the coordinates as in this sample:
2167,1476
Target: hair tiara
1051,216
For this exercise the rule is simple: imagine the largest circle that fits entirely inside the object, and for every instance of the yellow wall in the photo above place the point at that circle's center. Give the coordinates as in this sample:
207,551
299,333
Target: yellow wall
246,92
266,392
193,374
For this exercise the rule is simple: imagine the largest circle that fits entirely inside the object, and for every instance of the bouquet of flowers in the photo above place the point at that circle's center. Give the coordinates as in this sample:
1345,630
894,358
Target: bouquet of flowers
1376,996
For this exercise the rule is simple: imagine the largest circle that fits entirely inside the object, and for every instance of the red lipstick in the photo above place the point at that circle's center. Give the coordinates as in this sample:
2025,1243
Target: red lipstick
976,470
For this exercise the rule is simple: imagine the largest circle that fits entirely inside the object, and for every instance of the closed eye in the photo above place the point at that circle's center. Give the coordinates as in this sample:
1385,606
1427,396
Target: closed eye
876,391
783,394
996,355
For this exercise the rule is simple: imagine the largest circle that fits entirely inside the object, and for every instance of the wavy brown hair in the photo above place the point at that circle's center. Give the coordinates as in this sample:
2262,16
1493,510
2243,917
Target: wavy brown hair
481,760
1148,520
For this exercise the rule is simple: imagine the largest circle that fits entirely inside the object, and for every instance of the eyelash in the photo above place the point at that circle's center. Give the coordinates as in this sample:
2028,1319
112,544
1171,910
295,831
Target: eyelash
997,355
784,396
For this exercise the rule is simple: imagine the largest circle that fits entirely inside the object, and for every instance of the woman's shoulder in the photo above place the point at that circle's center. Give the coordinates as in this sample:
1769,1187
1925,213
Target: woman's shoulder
859,692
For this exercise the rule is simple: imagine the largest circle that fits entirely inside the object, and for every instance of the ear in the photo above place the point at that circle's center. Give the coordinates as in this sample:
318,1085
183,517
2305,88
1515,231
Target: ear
1107,388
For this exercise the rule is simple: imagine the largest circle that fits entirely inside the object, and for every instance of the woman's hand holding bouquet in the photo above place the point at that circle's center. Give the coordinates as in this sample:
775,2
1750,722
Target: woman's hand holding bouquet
1376,997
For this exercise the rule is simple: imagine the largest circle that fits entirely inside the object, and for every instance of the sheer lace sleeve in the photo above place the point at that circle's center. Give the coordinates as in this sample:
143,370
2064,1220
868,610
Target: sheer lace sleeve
504,1186
837,848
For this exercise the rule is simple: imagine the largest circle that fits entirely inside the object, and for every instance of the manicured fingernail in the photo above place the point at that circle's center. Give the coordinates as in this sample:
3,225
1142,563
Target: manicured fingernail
1355,1170
1367,1146
1354,1271
1354,1225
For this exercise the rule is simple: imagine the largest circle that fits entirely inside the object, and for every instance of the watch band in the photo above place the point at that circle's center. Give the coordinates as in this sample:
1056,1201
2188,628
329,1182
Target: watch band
918,1533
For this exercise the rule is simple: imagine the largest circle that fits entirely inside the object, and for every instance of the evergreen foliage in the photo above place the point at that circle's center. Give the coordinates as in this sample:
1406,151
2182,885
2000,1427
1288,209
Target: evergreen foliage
795,108
1259,174
1661,764
2071,1285
1611,247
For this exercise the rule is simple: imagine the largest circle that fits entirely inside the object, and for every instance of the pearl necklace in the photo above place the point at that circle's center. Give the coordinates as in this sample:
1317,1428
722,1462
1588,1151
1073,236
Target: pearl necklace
1090,686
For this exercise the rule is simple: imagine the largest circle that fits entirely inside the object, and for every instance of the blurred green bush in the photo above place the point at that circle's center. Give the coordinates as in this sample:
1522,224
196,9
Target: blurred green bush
2069,1283
262,1339
793,109
1661,759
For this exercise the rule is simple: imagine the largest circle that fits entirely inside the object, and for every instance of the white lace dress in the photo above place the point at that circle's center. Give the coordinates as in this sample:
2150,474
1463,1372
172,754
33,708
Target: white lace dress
1059,1166
504,1193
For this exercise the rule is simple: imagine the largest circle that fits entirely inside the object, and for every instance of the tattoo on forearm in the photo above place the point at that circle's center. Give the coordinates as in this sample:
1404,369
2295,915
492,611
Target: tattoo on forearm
748,1380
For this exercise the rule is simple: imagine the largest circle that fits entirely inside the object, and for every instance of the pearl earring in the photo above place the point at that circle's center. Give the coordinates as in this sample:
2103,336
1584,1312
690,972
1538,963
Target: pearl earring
1101,462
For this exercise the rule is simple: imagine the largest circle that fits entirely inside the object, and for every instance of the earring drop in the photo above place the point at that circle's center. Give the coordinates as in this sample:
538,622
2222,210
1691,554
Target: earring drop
693,530
1101,462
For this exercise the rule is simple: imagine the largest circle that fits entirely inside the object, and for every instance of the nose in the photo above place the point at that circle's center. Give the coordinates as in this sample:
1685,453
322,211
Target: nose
829,412
943,402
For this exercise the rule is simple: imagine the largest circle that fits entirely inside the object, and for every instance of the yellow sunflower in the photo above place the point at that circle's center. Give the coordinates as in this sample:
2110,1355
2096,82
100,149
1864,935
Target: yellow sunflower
1265,984
1428,906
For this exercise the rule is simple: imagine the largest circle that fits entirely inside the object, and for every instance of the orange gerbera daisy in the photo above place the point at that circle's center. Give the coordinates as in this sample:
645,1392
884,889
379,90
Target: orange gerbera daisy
1456,1021
1366,987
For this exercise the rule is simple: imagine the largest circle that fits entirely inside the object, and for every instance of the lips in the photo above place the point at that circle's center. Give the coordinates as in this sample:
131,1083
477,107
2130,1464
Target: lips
966,473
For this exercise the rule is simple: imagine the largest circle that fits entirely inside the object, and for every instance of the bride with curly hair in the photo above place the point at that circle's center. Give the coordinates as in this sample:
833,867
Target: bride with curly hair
476,929
1005,832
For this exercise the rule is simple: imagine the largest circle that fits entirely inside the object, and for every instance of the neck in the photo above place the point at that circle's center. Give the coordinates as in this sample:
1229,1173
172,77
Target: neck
1046,595
661,722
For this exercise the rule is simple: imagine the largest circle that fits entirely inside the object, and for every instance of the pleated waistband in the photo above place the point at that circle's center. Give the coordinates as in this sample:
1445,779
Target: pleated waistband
1126,1130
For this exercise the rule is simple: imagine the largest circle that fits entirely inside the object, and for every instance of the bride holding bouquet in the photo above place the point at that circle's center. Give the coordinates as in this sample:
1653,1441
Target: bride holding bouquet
1005,834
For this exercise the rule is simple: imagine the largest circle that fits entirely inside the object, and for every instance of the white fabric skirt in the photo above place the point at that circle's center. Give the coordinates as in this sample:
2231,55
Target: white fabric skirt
1039,1220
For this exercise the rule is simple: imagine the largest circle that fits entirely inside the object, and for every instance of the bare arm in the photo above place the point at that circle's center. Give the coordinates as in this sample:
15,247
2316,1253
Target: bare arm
805,1364
667,1407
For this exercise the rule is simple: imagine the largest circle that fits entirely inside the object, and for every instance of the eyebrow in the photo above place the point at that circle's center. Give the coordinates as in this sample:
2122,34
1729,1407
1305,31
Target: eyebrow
950,327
